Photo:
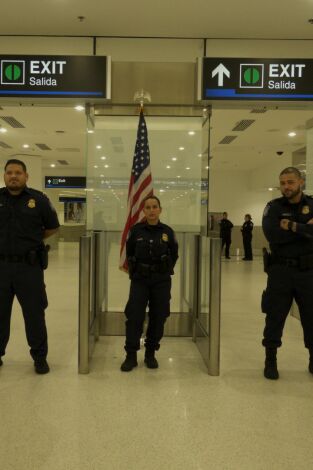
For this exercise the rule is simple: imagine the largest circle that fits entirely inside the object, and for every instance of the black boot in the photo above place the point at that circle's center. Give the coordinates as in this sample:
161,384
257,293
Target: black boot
150,360
311,361
41,365
270,370
130,362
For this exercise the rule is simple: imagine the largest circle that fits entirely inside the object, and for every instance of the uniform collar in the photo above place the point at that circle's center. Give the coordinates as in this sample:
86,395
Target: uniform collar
25,190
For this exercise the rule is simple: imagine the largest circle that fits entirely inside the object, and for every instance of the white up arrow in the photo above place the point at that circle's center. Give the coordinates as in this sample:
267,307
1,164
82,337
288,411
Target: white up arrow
221,70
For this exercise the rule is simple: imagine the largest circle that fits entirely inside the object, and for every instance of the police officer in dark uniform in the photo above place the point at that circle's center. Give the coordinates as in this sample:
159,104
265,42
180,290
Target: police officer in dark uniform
246,231
26,218
152,252
225,233
288,226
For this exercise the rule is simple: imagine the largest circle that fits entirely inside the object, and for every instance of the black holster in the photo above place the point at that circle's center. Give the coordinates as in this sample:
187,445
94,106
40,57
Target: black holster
266,259
43,256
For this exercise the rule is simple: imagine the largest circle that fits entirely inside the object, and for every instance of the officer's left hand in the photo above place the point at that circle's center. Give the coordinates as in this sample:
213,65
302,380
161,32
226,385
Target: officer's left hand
284,224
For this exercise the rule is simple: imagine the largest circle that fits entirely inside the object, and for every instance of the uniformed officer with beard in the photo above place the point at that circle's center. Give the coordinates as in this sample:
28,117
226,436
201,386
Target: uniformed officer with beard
288,226
26,219
152,252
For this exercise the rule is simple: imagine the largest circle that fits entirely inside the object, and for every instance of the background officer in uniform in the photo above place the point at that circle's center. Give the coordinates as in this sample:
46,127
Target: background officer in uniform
288,226
225,233
26,218
152,252
246,231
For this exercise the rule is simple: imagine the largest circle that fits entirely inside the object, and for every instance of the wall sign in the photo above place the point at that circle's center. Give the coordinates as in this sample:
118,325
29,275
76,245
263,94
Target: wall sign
255,79
65,182
55,76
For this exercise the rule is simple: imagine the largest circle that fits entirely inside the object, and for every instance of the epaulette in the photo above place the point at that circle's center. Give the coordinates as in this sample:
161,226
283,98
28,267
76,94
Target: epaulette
35,191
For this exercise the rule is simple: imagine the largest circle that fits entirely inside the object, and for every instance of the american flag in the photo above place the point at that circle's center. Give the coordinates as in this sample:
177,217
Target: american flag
140,185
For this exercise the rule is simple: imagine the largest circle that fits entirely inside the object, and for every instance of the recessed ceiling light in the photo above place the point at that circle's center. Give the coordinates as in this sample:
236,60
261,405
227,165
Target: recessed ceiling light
25,146
95,166
90,131
191,133
106,166
177,176
101,176
187,167
292,134
162,190
98,147
103,158
52,165
206,167
168,166
200,155
79,108
181,148
174,159
270,189
3,130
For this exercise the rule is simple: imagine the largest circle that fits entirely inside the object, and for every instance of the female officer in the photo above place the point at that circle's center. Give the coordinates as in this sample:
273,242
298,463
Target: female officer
152,252
246,231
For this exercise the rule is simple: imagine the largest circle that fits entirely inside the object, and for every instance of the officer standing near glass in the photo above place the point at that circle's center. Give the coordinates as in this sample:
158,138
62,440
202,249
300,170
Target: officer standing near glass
152,252
225,233
246,231
26,218
288,226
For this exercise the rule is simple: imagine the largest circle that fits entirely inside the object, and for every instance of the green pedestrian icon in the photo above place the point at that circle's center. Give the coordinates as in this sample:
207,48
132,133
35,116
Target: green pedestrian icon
12,72
251,76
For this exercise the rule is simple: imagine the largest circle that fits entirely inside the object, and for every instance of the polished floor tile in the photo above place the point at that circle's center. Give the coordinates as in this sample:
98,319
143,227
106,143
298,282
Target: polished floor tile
176,417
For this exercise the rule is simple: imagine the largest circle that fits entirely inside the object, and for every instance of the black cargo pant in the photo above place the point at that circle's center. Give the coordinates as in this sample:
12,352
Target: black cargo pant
283,285
247,246
27,283
226,241
155,291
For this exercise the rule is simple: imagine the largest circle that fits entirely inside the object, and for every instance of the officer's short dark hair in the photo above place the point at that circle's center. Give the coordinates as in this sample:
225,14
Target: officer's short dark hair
225,213
291,169
152,197
15,161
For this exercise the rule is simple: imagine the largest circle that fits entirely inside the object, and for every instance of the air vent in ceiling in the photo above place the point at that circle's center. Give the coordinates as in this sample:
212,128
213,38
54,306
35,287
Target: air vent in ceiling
228,139
68,149
11,121
4,145
243,125
63,162
258,110
60,132
43,147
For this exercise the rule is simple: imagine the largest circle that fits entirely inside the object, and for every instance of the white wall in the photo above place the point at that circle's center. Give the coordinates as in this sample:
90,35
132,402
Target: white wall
233,192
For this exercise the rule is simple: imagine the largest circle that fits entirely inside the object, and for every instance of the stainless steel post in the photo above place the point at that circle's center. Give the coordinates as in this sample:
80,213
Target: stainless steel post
215,306
84,303
98,270
195,267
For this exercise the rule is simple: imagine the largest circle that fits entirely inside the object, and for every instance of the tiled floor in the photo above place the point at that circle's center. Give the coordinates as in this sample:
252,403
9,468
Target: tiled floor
176,417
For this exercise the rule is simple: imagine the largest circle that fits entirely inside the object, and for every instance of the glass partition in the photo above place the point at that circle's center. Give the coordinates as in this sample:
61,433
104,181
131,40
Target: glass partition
175,149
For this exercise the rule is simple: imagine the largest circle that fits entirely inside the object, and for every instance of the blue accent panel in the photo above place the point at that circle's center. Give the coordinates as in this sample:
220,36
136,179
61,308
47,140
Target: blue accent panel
60,186
231,93
54,93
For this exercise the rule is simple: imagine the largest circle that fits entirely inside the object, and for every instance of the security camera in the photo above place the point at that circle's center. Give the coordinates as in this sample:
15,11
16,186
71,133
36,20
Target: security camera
279,152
